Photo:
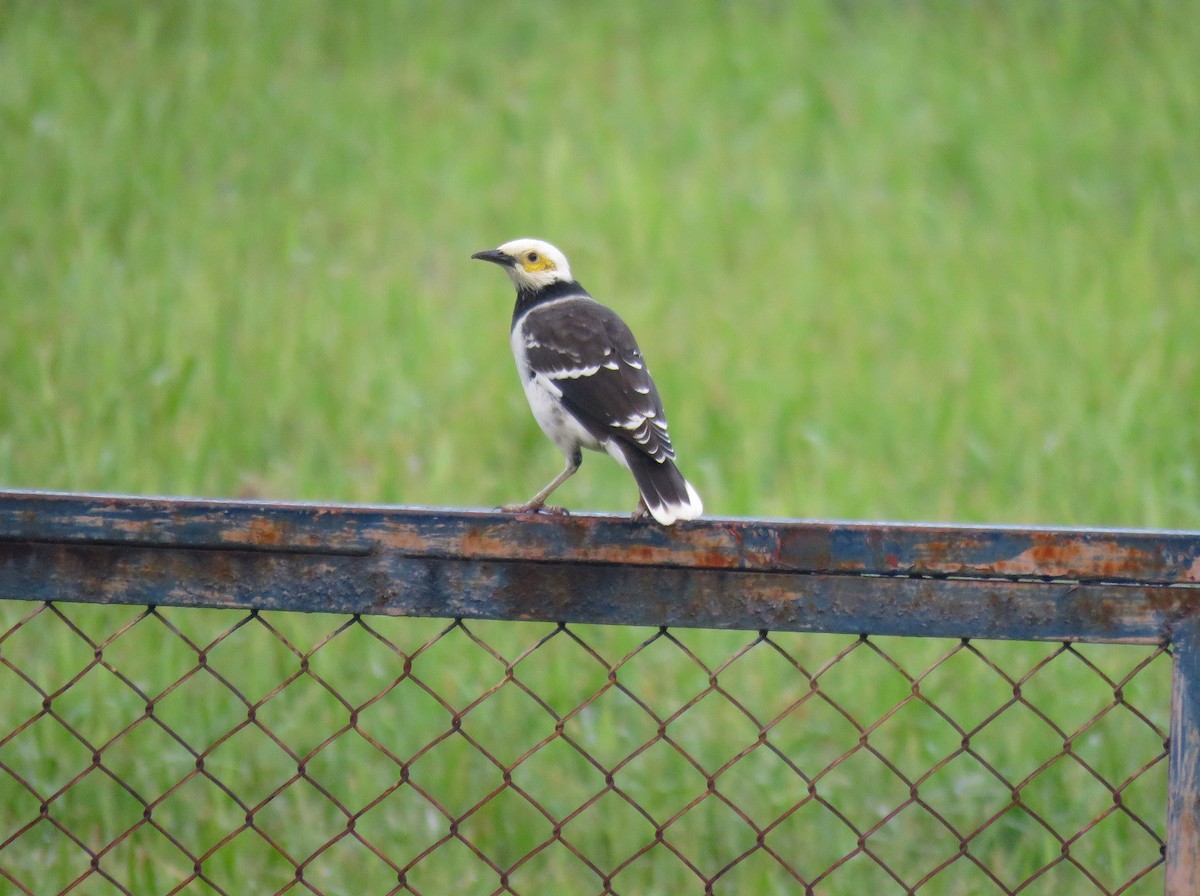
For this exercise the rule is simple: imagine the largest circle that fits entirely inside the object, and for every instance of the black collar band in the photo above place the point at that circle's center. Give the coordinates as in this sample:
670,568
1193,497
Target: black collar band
531,298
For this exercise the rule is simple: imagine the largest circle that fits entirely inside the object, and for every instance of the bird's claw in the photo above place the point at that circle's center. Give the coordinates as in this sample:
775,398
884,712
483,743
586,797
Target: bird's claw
534,508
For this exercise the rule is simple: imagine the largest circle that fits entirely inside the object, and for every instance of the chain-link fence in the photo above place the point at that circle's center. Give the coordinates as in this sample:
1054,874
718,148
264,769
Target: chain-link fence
148,750
472,703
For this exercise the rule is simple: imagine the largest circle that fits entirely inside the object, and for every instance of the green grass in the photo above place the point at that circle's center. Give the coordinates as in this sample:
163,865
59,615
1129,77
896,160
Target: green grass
915,261
934,262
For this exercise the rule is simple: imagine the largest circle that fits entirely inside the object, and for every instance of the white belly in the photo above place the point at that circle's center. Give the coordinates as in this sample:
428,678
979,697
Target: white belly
561,428
543,395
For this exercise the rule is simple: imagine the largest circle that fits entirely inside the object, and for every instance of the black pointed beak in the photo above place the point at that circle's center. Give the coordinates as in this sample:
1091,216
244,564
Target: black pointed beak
495,256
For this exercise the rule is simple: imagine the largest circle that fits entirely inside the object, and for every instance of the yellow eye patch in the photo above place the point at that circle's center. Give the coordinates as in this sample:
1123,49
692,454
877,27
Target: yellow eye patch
533,262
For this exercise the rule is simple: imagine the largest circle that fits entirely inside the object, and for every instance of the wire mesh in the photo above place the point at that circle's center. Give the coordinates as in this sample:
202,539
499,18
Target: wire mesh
148,750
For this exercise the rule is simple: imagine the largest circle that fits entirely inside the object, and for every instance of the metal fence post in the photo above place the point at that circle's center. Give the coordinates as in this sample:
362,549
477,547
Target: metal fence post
1183,802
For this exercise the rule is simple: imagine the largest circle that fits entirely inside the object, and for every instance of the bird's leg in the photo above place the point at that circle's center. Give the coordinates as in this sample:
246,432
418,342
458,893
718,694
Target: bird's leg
641,511
538,501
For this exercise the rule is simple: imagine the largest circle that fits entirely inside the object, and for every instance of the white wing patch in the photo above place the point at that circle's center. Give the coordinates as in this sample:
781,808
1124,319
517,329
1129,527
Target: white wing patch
545,383
643,428
635,421
571,373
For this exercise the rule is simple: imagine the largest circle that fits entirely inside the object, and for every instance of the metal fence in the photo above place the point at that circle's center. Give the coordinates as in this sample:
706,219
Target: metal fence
472,703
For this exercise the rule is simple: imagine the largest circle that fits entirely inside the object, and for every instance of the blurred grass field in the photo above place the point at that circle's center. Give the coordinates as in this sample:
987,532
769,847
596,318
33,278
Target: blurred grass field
935,261
928,261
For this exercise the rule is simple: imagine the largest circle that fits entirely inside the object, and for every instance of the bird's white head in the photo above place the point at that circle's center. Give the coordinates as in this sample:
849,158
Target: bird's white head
531,264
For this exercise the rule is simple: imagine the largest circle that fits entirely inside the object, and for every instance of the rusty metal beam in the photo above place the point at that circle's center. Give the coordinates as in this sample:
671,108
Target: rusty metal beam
886,579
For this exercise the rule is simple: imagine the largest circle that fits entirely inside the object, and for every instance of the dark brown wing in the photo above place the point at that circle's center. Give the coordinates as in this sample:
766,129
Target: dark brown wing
591,357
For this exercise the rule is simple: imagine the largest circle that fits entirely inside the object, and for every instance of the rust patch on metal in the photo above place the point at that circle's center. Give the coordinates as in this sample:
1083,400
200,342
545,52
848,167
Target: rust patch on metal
402,537
480,542
264,532
578,539
1055,557
946,556
716,559
1105,613
640,554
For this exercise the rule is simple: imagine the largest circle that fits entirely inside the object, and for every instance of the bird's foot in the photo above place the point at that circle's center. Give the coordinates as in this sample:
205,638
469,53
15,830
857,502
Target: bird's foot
641,512
534,507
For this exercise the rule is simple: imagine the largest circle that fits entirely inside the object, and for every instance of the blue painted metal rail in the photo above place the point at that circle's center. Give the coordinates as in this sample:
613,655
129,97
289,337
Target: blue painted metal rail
1139,587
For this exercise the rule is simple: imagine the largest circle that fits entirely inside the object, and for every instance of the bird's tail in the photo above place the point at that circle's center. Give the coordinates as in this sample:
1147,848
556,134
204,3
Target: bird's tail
668,496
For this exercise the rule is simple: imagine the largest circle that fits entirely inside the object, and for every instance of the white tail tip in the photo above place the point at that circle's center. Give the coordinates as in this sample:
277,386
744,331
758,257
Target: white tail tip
666,514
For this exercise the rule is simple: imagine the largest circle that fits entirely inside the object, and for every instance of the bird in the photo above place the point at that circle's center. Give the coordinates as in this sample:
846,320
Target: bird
587,382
